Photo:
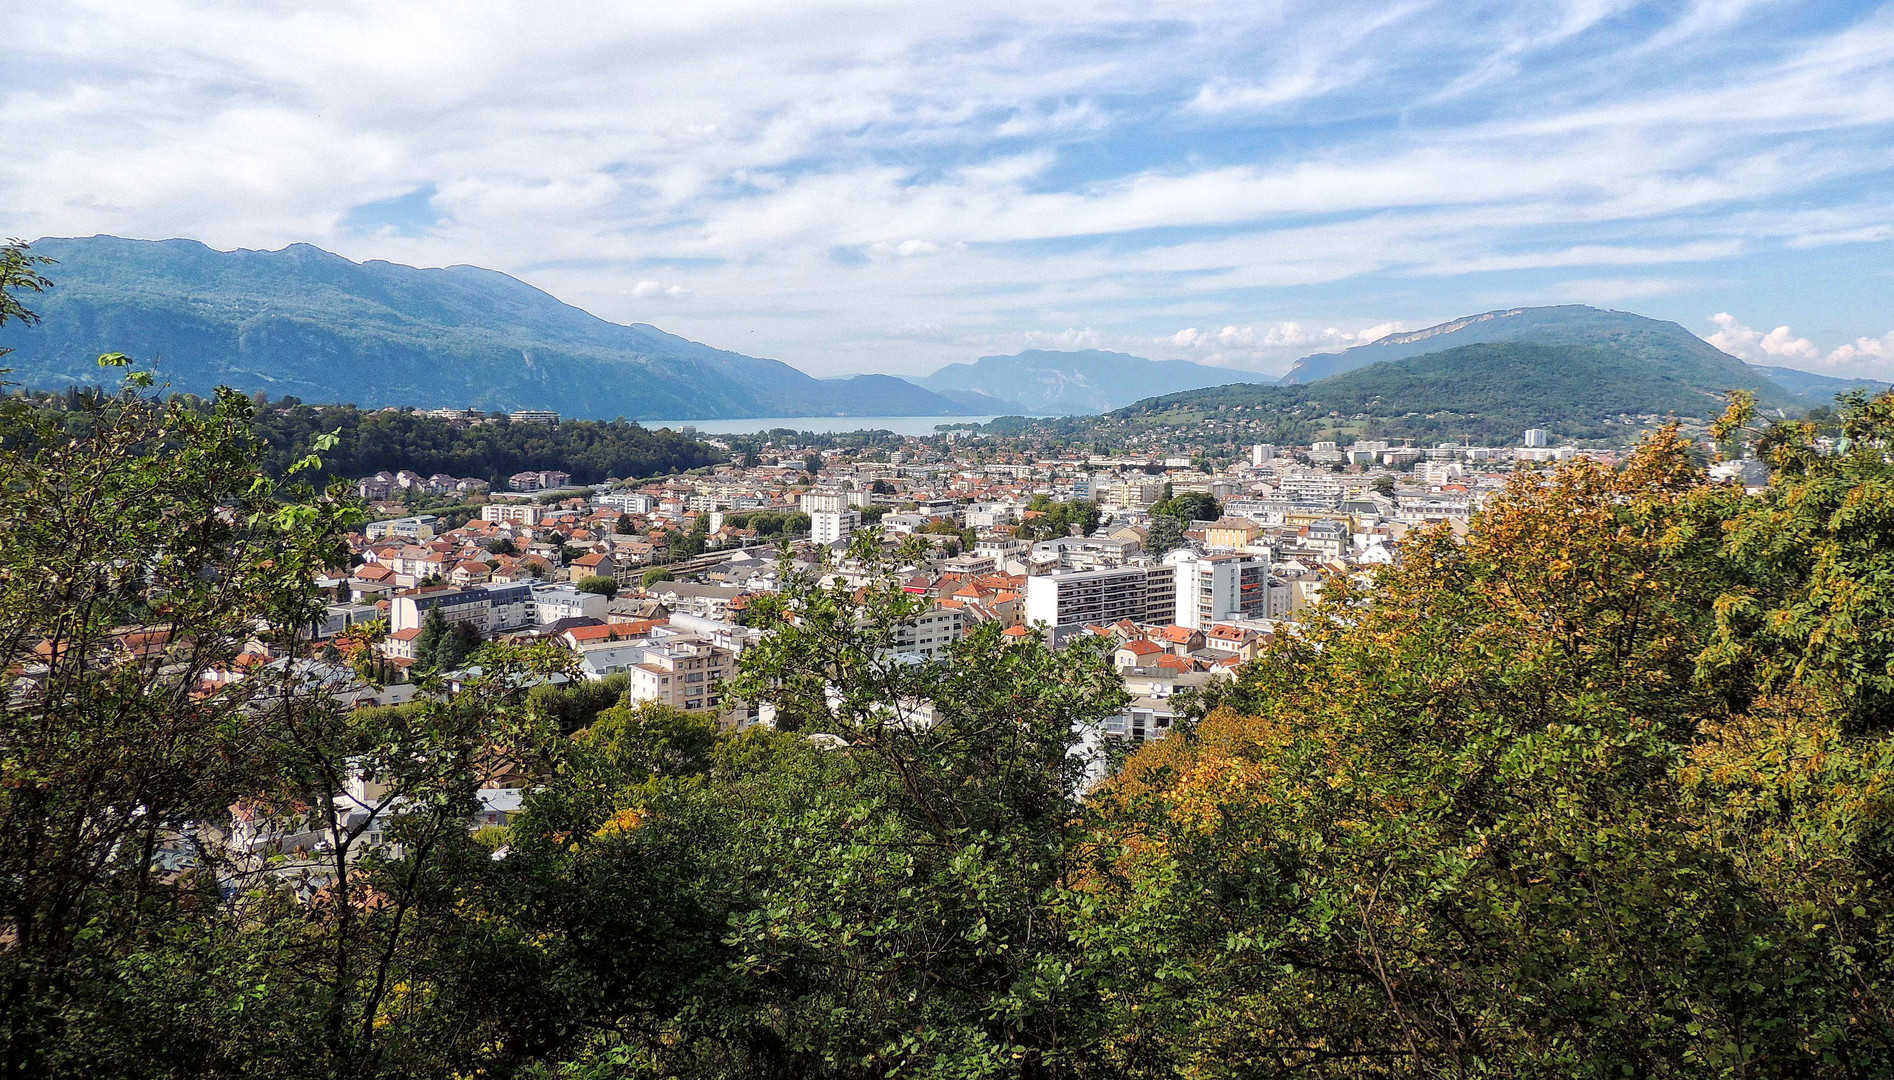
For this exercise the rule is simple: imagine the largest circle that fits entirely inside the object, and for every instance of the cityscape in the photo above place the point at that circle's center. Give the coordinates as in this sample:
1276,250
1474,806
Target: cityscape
865,542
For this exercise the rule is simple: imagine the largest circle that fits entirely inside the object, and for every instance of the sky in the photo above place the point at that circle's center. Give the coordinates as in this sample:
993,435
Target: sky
892,187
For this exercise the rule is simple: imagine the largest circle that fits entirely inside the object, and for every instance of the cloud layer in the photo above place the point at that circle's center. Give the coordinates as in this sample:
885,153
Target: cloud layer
892,187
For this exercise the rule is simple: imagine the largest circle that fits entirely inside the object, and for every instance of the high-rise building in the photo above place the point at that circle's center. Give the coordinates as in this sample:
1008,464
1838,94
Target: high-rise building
823,500
1143,594
1538,436
1262,452
1212,589
828,526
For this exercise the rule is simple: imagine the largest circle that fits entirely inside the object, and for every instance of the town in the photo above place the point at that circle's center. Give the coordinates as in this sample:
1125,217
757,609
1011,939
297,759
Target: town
1188,573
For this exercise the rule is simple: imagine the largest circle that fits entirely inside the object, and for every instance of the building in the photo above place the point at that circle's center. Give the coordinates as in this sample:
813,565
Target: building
681,674
828,526
931,635
534,416
1133,495
1261,453
1231,533
490,608
1219,588
516,513
550,603
418,528
816,502
541,480
1536,436
1143,594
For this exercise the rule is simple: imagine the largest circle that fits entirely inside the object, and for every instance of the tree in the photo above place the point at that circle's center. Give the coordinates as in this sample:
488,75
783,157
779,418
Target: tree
604,586
1384,485
1461,820
653,575
812,463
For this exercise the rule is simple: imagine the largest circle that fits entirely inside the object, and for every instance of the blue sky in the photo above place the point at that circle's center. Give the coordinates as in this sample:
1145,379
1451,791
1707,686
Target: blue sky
891,187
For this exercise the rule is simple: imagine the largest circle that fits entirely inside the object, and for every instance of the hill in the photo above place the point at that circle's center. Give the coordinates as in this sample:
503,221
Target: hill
1054,383
305,322
1818,389
1665,344
1492,390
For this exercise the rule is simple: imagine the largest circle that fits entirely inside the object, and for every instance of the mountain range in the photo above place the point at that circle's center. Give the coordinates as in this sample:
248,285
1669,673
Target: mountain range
1070,383
1578,370
304,322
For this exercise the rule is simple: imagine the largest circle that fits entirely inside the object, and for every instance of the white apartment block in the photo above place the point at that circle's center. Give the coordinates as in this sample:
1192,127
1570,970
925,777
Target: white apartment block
1143,594
490,608
931,635
517,513
554,602
1219,588
823,502
681,674
828,526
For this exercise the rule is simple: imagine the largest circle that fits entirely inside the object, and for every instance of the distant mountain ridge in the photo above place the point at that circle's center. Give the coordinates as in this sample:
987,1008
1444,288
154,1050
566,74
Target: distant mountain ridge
1052,383
1578,370
1567,324
306,322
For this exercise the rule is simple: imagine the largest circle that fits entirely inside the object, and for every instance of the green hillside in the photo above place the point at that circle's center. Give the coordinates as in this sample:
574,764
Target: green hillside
1494,390
308,323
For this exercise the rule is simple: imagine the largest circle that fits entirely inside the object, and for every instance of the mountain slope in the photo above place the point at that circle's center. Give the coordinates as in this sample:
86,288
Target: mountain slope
1579,386
1663,343
1087,381
306,322
1817,389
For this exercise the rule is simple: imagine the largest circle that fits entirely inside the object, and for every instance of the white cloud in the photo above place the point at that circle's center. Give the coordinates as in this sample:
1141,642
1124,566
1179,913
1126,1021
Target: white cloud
1864,355
648,288
1741,341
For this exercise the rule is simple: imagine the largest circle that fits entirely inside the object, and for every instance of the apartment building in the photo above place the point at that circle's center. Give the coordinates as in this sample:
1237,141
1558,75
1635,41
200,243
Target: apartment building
490,608
681,674
828,526
1143,594
1219,588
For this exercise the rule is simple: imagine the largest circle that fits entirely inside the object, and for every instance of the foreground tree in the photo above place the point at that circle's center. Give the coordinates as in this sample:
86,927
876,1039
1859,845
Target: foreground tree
1548,802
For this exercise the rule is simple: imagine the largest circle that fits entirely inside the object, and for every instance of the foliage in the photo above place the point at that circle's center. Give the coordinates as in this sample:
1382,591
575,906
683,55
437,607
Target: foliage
604,586
1059,518
1524,807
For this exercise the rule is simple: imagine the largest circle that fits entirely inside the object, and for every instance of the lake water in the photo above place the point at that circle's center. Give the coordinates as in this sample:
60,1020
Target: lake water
900,425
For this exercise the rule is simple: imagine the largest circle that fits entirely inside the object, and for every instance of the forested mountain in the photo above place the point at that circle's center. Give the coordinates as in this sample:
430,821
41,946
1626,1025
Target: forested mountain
1665,345
308,323
1052,383
1580,382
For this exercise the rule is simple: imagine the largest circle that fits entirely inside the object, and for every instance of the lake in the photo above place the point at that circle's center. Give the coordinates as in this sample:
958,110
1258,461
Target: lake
900,425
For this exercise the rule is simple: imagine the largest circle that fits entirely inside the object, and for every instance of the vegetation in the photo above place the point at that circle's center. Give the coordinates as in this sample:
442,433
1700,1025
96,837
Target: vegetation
1599,789
1055,519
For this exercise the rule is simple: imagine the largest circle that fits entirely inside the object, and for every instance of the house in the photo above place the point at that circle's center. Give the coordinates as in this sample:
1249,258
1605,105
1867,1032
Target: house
597,564
1136,654
1231,533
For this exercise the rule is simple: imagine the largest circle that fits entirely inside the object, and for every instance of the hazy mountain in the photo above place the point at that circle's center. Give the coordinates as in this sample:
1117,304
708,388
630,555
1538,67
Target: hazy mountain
1817,389
1070,383
1632,335
306,322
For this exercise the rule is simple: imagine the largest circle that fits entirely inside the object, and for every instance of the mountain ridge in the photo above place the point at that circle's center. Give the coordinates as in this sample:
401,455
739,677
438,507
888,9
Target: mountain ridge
1064,382
307,322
